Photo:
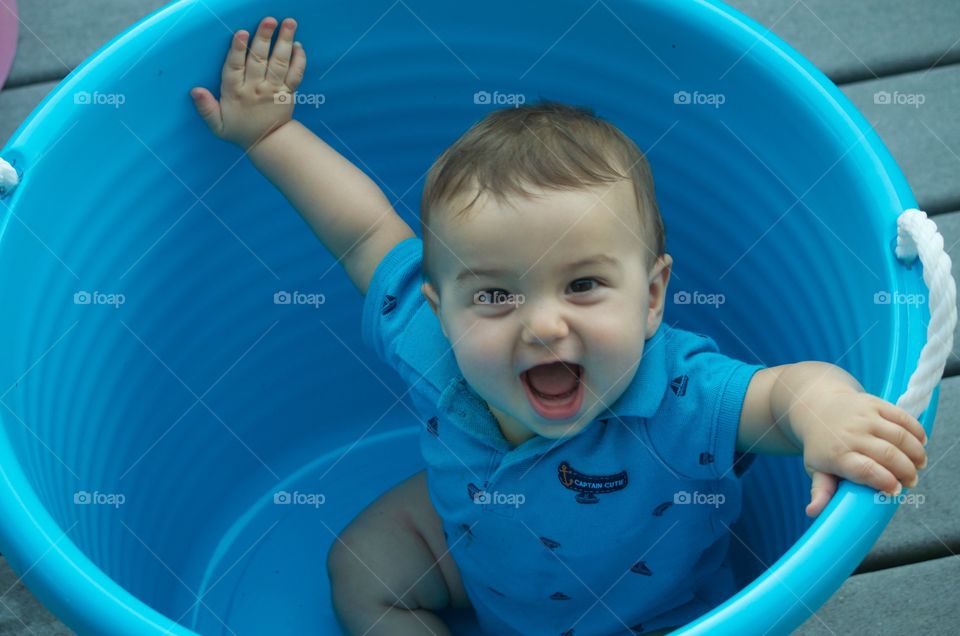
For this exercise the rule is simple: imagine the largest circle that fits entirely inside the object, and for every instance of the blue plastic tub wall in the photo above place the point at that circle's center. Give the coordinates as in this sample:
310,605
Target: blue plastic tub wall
198,398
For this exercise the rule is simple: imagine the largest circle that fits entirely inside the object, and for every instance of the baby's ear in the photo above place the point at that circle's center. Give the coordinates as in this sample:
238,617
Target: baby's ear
434,299
659,279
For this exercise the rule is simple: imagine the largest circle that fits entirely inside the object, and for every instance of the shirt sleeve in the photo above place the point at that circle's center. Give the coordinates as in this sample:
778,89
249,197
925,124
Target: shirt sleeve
393,298
700,417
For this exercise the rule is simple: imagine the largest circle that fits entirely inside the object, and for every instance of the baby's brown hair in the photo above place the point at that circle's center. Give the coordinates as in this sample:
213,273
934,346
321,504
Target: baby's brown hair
549,145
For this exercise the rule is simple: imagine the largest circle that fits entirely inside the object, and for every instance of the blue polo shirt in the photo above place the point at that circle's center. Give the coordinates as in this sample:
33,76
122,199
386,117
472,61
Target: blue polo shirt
619,529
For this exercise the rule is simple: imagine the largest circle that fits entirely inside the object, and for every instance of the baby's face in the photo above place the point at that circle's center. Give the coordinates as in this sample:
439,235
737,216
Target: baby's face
568,279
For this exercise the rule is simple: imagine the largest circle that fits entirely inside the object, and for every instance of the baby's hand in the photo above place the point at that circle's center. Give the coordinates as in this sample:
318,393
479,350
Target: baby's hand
256,93
860,437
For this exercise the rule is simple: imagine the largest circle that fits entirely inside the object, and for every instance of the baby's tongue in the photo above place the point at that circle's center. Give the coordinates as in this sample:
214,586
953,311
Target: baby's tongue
552,379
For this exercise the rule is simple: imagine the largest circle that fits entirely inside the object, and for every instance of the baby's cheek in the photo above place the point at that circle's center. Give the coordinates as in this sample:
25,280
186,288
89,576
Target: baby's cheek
615,344
481,353
616,329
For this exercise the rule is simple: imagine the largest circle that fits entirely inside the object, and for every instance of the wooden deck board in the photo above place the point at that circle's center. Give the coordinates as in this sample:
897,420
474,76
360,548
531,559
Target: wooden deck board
851,41
924,138
925,525
56,35
915,599
949,226
17,103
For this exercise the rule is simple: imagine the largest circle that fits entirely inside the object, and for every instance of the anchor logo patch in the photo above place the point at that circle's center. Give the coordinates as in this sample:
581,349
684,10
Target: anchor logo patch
589,486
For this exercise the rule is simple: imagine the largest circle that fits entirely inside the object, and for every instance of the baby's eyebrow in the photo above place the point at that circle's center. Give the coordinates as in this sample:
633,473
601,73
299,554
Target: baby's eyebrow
494,272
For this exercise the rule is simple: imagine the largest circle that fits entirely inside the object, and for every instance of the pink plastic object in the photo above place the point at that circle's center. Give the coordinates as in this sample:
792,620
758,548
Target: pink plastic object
8,36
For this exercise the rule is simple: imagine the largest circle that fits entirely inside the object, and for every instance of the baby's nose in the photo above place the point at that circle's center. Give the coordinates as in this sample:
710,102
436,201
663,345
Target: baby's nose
545,326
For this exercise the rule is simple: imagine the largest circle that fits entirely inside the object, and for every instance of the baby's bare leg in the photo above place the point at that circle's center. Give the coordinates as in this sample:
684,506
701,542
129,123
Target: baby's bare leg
390,570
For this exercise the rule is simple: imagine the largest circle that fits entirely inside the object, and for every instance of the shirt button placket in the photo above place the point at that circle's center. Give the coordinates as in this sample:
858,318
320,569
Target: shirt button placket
493,469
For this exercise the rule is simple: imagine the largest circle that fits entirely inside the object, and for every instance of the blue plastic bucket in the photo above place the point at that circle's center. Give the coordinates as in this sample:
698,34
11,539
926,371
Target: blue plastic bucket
159,405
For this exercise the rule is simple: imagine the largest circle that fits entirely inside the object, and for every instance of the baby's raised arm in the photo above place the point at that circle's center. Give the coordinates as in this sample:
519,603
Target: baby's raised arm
344,207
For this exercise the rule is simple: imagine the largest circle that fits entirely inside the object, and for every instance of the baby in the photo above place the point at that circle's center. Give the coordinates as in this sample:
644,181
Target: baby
583,458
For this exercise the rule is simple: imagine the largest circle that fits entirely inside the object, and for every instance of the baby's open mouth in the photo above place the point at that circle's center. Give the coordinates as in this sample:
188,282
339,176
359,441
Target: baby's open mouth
555,390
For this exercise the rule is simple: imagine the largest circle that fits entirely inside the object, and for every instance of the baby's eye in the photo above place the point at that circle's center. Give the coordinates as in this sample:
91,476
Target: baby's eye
491,296
582,285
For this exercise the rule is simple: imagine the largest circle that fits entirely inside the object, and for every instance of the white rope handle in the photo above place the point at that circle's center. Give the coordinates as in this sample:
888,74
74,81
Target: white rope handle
918,235
8,177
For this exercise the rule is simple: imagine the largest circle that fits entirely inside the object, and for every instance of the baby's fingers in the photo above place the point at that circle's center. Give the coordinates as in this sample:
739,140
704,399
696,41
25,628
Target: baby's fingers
897,415
821,491
209,109
260,51
280,60
903,440
893,459
862,469
231,76
298,64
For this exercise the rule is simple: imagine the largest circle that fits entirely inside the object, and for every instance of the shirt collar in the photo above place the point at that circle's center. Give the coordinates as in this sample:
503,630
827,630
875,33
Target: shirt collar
460,402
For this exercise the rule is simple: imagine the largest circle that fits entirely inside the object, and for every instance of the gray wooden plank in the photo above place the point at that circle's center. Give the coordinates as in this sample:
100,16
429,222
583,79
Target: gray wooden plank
17,103
925,525
914,599
949,226
863,40
916,116
20,613
56,35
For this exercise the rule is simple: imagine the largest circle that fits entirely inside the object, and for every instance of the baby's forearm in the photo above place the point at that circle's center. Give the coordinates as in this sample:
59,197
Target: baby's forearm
797,384
342,205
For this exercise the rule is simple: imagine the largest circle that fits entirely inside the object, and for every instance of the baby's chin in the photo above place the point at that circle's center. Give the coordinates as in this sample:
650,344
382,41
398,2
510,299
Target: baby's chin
559,430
